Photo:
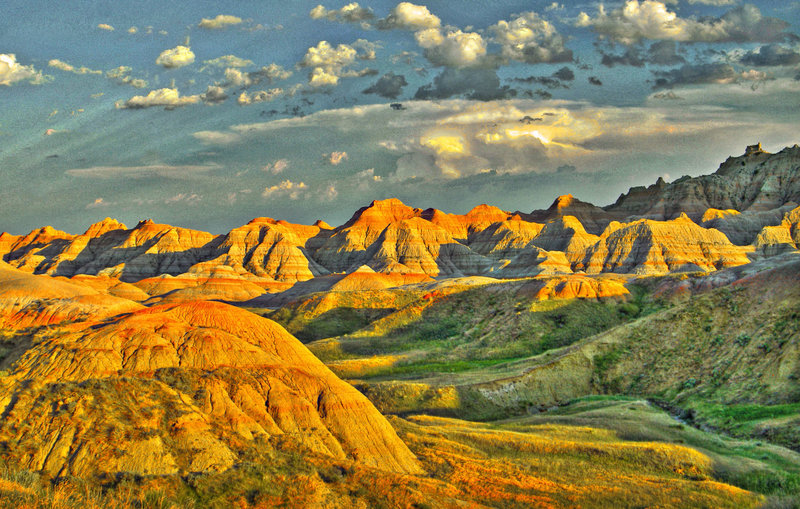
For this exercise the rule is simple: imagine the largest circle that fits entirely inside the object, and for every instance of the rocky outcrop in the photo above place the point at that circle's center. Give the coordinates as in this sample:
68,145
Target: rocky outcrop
593,218
182,388
575,287
774,240
757,181
657,247
566,234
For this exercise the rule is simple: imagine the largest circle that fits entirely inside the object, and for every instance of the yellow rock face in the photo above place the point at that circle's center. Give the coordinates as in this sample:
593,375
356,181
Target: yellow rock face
178,387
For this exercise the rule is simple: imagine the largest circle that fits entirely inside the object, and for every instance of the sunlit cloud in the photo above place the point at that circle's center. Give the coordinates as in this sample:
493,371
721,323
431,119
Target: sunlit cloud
178,56
220,21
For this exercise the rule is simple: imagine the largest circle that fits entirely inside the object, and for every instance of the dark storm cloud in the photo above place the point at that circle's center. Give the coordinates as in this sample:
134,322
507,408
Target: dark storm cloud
594,80
390,86
771,55
695,74
478,84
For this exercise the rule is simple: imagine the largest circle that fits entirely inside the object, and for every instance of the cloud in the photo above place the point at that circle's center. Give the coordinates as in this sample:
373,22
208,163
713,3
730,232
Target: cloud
555,80
286,188
696,74
529,38
712,2
478,84
169,98
350,13
667,96
564,74
12,71
122,76
659,53
390,86
217,137
328,63
98,203
105,26
651,19
184,198
221,21
771,55
155,170
259,96
453,49
178,56
330,193
409,16
335,158
133,30
271,73
276,167
594,80
63,66
226,61
214,95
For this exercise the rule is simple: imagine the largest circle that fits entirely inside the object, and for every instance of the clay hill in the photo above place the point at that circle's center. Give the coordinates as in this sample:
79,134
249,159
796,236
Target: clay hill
111,386
746,209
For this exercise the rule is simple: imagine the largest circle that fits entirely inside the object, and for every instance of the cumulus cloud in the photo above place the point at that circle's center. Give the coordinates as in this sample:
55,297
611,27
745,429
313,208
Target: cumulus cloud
659,53
350,13
12,71
335,158
294,190
214,95
271,73
178,56
529,38
479,84
63,66
226,61
276,167
155,170
169,98
390,86
122,76
259,96
410,17
453,49
105,26
221,21
328,63
651,19
771,55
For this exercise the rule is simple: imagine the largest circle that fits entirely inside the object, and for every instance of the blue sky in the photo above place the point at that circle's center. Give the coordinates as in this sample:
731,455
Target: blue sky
282,109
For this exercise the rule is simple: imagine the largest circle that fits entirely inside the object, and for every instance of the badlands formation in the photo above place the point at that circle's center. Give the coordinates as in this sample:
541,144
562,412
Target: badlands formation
164,354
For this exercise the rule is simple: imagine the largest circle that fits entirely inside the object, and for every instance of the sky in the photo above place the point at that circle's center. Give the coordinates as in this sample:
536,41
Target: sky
207,114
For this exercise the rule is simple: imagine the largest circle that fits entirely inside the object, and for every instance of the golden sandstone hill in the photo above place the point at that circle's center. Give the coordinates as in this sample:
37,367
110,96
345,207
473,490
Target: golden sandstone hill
170,389
747,208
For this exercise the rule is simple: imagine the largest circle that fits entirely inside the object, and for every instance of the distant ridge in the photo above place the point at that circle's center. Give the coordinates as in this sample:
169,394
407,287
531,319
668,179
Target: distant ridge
694,223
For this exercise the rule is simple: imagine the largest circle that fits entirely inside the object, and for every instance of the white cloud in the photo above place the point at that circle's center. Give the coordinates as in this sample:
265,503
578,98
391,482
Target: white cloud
226,61
98,203
286,188
259,96
105,26
410,17
178,56
350,13
12,71
133,30
63,66
454,49
221,21
651,19
217,137
327,63
169,98
330,193
186,198
271,73
276,166
159,170
531,39
122,76
214,95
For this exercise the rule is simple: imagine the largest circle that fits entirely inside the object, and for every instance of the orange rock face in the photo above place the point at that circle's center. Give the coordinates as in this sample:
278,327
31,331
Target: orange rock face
240,378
